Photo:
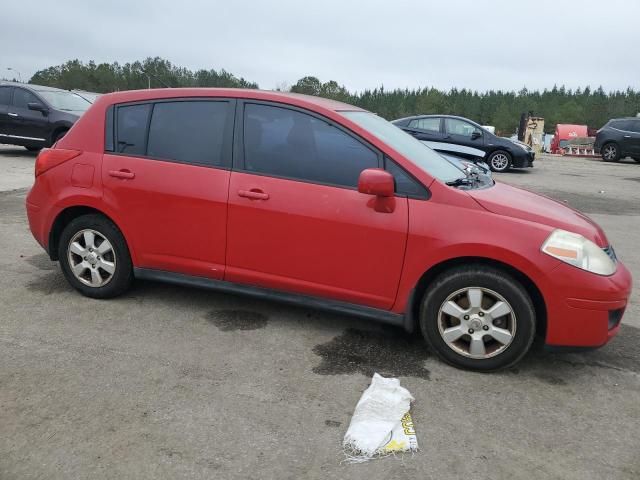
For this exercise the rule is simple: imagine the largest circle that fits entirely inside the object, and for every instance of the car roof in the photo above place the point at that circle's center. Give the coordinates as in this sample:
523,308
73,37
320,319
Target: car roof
268,95
30,86
413,117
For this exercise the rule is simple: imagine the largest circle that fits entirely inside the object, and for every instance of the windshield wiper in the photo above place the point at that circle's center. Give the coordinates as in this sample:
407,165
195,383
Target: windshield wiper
461,181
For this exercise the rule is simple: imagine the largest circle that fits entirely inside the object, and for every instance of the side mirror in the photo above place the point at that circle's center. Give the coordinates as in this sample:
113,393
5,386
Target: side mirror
38,107
378,182
475,135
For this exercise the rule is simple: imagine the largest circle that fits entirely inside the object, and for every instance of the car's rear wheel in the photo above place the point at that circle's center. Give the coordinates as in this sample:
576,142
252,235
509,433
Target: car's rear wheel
478,317
610,152
94,257
499,161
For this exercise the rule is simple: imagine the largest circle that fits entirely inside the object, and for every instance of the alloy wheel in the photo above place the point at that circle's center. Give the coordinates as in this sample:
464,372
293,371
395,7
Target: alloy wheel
477,322
610,152
91,258
499,161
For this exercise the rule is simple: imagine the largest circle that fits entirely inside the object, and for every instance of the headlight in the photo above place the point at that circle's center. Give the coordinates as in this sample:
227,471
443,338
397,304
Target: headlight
526,148
576,250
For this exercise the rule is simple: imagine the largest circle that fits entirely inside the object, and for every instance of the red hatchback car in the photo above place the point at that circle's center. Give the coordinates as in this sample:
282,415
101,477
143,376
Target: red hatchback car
312,201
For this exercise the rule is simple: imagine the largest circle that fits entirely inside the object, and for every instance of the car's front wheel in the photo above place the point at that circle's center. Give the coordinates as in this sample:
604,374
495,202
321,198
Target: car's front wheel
478,317
94,257
610,152
499,161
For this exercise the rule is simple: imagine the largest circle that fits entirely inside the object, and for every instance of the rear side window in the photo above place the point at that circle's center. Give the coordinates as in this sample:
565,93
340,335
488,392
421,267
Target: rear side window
635,126
430,124
22,98
287,143
625,125
5,95
188,131
131,128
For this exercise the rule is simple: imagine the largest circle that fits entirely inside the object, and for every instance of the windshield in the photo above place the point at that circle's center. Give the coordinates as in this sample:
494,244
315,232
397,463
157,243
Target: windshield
419,154
65,100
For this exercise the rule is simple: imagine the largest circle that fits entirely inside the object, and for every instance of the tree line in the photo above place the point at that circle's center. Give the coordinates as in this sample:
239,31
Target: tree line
502,109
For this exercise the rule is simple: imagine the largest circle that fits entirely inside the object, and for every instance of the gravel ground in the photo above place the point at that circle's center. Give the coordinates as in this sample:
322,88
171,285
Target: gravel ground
169,382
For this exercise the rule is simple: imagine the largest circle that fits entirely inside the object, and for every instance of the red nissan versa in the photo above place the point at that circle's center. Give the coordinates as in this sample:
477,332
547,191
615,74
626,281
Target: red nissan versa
312,201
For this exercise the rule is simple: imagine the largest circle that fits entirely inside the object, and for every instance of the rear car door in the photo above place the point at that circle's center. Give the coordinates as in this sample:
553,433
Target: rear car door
5,101
166,172
296,219
427,130
25,124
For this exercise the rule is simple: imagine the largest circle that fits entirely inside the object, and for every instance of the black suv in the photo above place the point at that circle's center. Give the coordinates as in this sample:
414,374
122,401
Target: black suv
35,116
619,138
461,136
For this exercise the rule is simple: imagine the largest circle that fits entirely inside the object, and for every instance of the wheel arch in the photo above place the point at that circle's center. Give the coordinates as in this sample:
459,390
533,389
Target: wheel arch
412,312
65,217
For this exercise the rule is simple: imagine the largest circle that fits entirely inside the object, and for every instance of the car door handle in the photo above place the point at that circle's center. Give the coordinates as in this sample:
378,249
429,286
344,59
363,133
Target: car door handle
126,174
627,136
11,114
253,194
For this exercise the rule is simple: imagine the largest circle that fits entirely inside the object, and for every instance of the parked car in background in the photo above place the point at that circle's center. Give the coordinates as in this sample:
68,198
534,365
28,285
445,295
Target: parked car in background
619,138
461,136
34,116
316,202
88,96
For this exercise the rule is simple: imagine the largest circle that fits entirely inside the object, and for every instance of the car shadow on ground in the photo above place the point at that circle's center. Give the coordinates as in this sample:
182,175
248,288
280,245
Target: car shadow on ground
8,151
358,345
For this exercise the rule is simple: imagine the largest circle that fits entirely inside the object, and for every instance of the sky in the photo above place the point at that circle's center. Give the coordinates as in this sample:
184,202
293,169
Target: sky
479,45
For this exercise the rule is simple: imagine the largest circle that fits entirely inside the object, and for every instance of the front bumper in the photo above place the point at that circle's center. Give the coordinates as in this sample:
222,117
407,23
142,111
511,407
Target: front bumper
523,159
585,309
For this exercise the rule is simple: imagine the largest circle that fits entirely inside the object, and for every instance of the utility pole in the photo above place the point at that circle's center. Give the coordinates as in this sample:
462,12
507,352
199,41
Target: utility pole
14,70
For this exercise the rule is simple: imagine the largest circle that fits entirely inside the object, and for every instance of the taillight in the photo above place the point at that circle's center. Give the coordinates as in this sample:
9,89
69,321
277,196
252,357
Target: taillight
52,157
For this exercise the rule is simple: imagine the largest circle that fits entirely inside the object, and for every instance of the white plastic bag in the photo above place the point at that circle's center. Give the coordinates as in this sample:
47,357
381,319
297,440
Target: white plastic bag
381,423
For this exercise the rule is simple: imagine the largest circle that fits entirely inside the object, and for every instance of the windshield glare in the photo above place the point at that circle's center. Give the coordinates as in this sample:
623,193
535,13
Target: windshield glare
417,152
65,100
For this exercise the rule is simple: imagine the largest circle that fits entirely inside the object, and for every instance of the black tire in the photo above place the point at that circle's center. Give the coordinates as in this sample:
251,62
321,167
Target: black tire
57,136
523,321
499,161
33,149
119,255
610,152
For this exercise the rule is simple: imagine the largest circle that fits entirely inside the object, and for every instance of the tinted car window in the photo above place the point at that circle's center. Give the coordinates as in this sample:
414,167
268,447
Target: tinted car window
405,183
455,126
287,143
5,95
622,124
432,124
635,126
191,132
131,128
22,98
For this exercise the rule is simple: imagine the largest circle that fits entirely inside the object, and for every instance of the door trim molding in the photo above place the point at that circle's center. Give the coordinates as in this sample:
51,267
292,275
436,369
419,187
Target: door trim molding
22,138
337,306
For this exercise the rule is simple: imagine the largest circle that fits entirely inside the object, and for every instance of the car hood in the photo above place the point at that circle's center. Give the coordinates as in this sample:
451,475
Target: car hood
503,199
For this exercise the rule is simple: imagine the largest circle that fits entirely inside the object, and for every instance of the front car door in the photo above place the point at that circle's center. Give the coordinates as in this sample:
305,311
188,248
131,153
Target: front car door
296,220
166,172
25,124
460,133
632,138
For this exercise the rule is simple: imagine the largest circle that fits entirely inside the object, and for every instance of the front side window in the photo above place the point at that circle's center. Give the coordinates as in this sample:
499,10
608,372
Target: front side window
455,126
5,95
131,128
188,131
291,144
22,98
430,124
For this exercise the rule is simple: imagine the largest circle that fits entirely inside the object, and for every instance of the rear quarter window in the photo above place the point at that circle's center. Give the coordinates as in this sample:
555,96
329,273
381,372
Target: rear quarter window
5,95
131,128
